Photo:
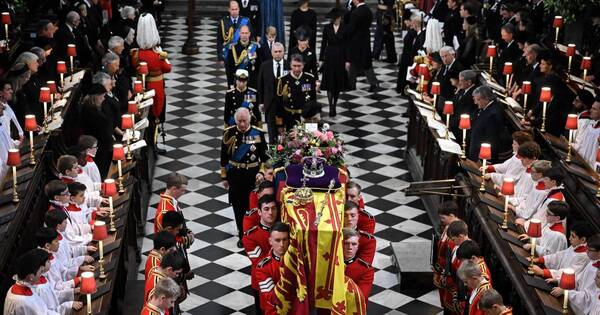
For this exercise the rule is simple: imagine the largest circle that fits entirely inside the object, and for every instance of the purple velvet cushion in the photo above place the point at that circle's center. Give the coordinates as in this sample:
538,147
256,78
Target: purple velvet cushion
294,177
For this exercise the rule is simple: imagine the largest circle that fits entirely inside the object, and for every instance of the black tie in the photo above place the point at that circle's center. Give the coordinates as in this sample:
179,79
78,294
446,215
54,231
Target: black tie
278,69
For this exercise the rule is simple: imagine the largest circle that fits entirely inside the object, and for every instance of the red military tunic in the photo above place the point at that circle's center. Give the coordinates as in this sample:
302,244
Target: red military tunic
157,66
251,218
153,260
166,203
362,274
256,245
366,221
150,309
154,276
476,296
440,272
267,276
253,200
366,247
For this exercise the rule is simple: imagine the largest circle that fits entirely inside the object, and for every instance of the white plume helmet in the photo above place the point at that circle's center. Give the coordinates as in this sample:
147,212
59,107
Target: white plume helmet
147,33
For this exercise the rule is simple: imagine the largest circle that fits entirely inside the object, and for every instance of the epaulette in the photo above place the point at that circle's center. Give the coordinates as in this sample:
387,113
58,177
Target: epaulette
279,169
231,90
366,234
250,230
252,89
264,261
366,264
251,212
257,128
367,213
230,127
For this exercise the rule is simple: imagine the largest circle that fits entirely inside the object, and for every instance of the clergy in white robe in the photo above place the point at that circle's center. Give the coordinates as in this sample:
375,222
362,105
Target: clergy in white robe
10,119
6,143
20,299
595,308
527,154
75,233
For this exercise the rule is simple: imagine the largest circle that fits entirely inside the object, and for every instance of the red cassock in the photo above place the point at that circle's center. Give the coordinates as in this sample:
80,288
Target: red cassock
474,305
154,276
256,245
267,276
165,204
366,247
150,309
362,274
440,274
251,218
153,260
157,66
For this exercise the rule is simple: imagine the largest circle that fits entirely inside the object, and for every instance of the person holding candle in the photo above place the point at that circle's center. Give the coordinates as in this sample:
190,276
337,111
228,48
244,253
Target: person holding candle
487,125
470,273
581,298
94,122
166,291
575,256
20,299
586,139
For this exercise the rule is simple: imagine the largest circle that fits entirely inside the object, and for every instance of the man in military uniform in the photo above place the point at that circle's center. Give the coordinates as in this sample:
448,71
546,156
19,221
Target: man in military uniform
268,271
367,243
244,55
384,32
228,33
243,152
241,96
357,269
251,9
294,90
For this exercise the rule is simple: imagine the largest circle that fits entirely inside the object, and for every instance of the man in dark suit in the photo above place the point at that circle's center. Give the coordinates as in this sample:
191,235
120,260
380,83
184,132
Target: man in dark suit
449,72
463,99
509,51
439,10
359,45
412,42
487,124
251,9
452,23
268,76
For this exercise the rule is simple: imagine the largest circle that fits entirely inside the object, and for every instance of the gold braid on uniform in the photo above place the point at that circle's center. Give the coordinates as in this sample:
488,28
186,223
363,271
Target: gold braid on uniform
230,143
283,90
237,60
229,34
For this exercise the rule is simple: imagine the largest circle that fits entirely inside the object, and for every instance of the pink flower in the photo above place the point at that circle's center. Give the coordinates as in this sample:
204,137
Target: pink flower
323,137
279,148
329,135
318,152
317,134
304,140
297,152
334,150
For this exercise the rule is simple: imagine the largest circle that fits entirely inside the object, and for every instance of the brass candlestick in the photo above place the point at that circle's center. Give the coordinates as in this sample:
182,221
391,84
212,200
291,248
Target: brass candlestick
482,187
532,257
505,221
15,193
121,187
112,228
464,144
544,117
102,274
31,150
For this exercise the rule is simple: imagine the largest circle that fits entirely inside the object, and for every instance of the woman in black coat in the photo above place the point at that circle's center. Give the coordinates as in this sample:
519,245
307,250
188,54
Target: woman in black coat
333,58
94,122
307,18
469,47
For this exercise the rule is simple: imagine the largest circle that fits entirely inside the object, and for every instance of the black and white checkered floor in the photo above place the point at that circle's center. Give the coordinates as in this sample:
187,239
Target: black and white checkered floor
375,132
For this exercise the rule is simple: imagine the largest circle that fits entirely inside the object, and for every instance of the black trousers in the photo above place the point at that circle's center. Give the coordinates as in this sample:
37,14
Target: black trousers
384,36
241,182
290,119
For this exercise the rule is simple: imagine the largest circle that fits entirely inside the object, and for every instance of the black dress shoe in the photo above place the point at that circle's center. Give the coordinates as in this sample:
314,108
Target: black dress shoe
160,151
239,244
374,88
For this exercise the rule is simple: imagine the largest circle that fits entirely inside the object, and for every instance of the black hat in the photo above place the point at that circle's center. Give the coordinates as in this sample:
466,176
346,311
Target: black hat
311,108
436,57
97,89
336,12
302,33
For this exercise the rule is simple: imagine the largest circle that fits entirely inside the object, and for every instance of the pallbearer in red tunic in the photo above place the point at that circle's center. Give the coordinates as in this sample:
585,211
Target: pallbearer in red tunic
251,217
455,298
448,213
366,221
469,250
163,243
150,52
357,269
491,303
267,270
367,243
162,298
470,273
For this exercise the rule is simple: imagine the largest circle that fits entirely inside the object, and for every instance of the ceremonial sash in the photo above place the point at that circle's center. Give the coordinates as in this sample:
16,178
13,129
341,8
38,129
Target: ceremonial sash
244,59
244,147
229,39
